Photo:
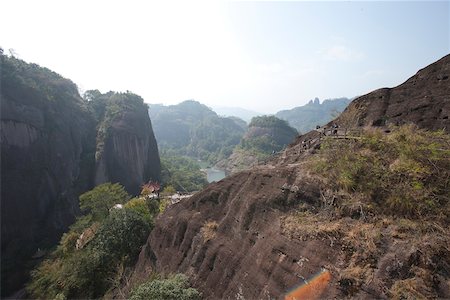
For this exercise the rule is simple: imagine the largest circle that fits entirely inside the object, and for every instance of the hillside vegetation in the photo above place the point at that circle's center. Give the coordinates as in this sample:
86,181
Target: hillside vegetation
265,136
194,130
182,173
405,172
95,256
385,201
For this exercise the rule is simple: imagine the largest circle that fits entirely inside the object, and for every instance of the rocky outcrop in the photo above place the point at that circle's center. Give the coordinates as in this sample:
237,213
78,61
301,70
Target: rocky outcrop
126,150
259,233
424,99
247,255
47,155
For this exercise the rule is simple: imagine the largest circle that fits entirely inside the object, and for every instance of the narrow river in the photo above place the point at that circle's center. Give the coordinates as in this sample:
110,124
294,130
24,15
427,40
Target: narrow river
212,174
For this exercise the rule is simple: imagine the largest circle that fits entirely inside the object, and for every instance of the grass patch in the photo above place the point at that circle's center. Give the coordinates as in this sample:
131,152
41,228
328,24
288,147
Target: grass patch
404,173
209,230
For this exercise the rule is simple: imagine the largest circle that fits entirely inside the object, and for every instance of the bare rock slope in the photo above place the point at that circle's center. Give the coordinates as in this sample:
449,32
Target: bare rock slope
423,100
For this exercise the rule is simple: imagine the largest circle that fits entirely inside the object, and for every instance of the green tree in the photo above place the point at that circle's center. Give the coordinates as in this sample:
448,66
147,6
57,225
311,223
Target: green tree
102,198
146,208
121,235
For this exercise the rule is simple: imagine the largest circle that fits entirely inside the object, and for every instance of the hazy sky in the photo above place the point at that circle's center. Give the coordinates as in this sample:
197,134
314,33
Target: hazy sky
264,56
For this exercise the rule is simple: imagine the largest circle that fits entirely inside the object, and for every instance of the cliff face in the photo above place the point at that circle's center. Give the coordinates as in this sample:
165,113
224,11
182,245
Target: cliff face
55,146
47,155
424,99
259,233
126,151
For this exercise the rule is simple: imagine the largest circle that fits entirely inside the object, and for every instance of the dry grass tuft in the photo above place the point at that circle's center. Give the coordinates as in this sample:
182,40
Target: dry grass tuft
209,230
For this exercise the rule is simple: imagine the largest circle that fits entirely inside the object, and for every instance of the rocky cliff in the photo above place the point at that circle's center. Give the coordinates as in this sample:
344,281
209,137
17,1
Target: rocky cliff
423,100
259,233
47,155
126,147
50,138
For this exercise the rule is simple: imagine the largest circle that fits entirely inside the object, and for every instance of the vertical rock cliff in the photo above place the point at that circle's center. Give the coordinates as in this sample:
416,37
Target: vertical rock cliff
126,147
47,159
55,146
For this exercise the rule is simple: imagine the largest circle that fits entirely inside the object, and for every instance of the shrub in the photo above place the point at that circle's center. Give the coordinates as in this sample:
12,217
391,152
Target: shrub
121,235
87,272
99,201
175,287
146,208
209,230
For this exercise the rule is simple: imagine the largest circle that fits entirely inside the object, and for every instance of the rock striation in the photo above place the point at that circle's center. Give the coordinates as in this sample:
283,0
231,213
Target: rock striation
126,147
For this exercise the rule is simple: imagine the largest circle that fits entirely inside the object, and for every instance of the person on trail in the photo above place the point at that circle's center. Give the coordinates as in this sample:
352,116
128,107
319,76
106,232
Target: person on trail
335,129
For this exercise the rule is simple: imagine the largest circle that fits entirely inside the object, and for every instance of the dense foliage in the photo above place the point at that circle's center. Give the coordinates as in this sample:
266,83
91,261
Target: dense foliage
267,134
405,172
173,288
193,129
100,200
21,80
86,260
182,173
305,118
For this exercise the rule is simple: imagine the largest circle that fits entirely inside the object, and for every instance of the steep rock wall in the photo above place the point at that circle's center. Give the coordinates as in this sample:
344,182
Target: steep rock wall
47,155
129,153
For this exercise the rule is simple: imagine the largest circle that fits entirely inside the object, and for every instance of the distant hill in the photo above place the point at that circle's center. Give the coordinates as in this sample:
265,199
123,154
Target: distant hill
265,135
239,112
305,118
191,128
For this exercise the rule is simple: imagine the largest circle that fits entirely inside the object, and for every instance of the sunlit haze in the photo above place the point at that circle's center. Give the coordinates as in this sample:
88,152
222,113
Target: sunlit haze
263,56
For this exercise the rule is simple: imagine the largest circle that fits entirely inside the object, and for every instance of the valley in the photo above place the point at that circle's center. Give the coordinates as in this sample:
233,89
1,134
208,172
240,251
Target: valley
107,196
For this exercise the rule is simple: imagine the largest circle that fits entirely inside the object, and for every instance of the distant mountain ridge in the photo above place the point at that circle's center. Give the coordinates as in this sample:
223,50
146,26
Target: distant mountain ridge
305,118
